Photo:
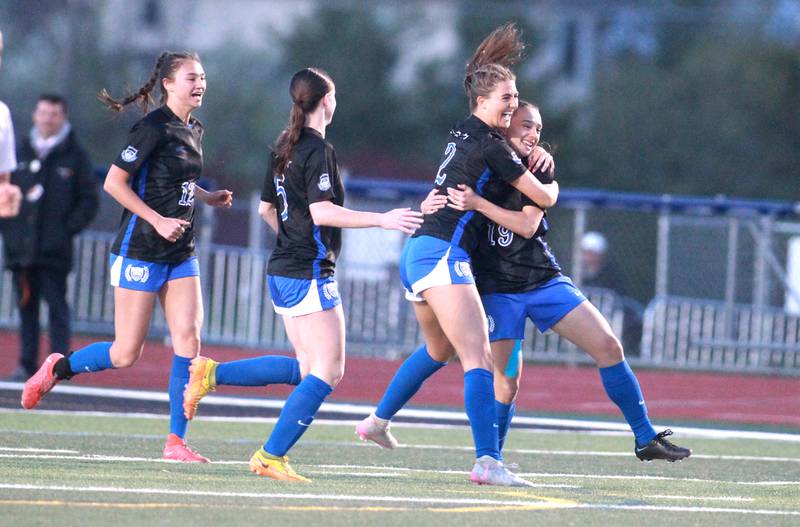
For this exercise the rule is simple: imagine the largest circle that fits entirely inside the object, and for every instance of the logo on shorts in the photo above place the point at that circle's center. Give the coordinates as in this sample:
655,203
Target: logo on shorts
330,290
324,182
462,269
490,320
137,274
130,154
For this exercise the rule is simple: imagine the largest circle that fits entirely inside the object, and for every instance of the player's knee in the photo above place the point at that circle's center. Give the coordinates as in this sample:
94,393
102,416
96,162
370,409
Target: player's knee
505,389
125,356
611,350
187,338
337,374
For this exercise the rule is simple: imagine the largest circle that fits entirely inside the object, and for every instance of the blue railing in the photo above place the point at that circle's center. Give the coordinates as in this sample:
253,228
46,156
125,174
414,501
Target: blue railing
695,205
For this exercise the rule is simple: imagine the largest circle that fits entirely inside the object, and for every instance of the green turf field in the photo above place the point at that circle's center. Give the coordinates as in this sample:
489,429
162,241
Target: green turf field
104,470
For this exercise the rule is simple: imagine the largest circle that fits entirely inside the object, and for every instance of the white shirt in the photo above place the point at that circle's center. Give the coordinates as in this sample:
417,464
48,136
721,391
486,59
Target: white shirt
8,156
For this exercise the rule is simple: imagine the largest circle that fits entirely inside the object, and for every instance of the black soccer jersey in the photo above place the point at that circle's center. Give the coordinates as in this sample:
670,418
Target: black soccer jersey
505,262
303,249
165,158
479,157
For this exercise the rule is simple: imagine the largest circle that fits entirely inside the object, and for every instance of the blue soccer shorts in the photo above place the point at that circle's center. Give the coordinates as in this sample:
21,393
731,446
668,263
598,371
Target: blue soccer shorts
545,306
300,296
428,262
139,275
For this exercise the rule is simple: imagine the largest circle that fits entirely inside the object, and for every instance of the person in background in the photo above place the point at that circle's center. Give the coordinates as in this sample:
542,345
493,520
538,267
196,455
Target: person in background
10,195
60,199
598,271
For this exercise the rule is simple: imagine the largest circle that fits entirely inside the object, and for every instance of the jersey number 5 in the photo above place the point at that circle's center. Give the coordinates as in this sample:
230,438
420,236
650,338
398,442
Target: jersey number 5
449,152
282,197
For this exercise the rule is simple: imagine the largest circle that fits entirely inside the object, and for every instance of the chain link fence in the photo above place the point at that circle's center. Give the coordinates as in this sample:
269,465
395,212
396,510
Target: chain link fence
685,283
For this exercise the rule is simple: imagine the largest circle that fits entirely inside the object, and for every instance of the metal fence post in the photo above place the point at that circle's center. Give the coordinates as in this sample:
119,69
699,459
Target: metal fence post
662,253
255,237
577,234
760,275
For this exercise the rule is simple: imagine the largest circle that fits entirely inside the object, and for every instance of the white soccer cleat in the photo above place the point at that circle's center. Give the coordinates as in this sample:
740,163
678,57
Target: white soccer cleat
371,429
489,471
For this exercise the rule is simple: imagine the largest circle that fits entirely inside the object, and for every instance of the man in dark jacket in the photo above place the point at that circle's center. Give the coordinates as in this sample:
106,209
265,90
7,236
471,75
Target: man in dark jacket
59,200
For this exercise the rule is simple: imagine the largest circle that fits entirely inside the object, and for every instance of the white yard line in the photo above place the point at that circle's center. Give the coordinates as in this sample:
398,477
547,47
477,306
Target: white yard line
360,409
505,504
358,469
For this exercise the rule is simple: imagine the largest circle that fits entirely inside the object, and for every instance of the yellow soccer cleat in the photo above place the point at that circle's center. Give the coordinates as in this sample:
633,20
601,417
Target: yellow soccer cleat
202,381
275,467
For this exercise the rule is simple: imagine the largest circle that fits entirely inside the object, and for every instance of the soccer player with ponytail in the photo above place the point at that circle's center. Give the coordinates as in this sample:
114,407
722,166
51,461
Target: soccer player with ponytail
154,179
302,200
435,266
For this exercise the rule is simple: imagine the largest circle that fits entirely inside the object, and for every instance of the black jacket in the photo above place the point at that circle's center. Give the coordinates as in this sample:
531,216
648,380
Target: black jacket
42,232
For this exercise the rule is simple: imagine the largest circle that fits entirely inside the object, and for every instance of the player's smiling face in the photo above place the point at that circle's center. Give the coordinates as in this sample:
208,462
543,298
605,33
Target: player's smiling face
497,108
188,86
525,130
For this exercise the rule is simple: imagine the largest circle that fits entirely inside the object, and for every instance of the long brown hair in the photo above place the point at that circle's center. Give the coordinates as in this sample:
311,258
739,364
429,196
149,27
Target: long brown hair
307,88
167,64
491,62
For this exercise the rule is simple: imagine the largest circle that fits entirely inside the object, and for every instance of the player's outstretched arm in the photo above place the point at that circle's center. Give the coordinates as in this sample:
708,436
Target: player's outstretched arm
329,214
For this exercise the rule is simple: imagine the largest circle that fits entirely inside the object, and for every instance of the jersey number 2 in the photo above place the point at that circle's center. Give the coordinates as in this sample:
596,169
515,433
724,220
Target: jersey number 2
449,152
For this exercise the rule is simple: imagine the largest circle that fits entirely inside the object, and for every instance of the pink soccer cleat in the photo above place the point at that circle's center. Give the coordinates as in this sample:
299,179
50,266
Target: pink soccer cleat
41,382
176,449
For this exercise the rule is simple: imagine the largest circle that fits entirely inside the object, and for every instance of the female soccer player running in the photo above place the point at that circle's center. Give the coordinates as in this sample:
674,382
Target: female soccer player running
518,278
154,179
302,200
435,266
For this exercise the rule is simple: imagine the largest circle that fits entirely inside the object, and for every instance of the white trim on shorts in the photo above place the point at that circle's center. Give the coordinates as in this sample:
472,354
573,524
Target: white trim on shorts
311,303
116,270
440,275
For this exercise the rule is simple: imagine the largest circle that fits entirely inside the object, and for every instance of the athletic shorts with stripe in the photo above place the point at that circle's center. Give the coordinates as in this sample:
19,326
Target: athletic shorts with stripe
139,275
545,306
428,262
301,296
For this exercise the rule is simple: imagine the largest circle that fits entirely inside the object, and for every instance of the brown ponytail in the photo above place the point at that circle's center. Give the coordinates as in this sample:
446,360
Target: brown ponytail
307,88
167,64
491,62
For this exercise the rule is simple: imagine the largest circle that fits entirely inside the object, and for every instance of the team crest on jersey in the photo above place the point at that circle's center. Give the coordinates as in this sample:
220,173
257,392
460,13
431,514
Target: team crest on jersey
462,269
515,158
324,182
130,154
330,290
134,273
490,320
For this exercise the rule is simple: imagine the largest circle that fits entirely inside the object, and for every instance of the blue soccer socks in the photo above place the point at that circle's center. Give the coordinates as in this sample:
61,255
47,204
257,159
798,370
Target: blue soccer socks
259,371
623,388
406,382
178,378
92,358
504,413
479,403
297,414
